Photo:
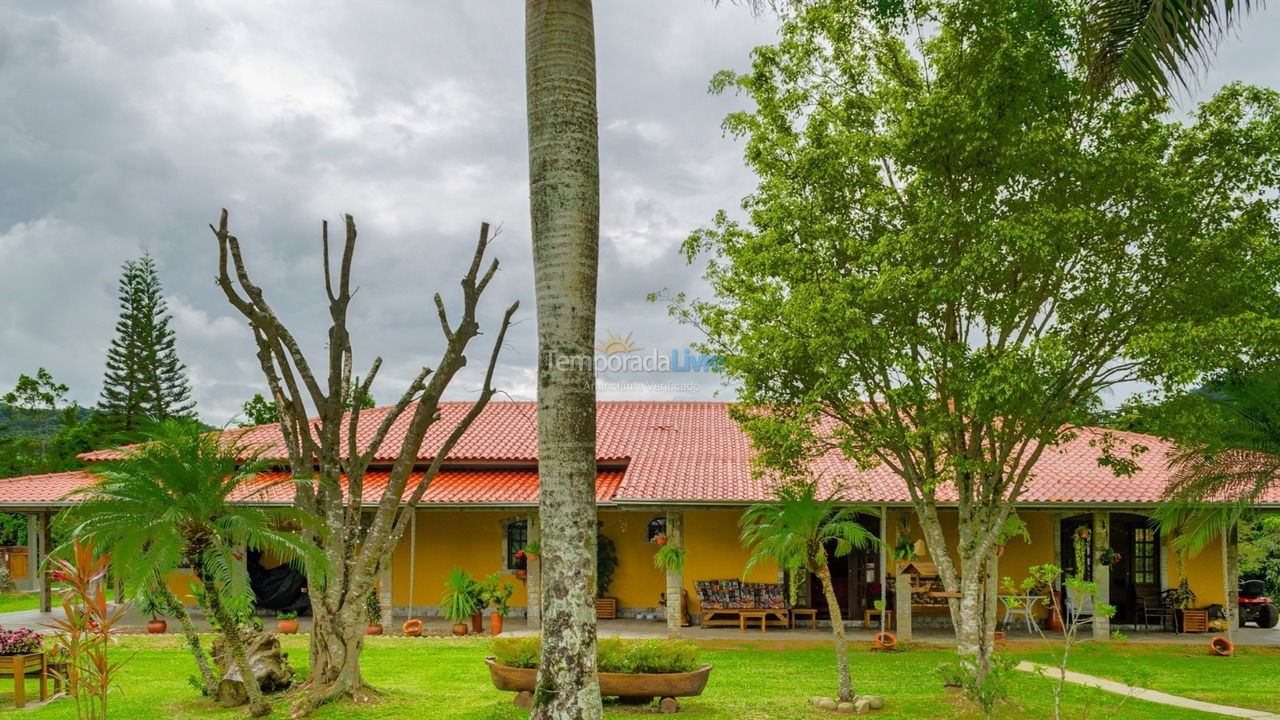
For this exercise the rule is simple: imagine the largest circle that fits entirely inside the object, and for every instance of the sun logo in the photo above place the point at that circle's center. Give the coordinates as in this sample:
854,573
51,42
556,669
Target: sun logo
616,344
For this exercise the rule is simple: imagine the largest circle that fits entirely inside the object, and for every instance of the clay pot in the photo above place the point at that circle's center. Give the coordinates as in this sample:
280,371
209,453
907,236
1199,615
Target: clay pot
660,539
1000,635
287,627
1221,646
413,628
522,573
459,629
373,629
157,627
495,624
477,623
886,641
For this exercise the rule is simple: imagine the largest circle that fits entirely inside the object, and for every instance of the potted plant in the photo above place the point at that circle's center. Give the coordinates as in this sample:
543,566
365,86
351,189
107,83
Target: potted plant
481,592
1108,557
458,602
499,595
373,611
660,539
152,609
638,670
287,621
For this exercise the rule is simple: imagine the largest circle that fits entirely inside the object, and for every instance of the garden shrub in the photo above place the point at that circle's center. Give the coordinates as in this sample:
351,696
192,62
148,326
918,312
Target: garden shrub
614,655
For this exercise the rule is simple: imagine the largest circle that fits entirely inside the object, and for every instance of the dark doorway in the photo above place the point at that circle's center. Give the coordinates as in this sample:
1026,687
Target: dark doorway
854,577
1136,575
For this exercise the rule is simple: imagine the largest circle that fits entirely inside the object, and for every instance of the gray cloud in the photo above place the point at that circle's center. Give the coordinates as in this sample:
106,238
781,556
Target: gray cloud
125,132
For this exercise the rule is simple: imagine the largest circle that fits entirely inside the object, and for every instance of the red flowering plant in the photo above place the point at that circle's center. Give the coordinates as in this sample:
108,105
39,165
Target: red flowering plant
20,641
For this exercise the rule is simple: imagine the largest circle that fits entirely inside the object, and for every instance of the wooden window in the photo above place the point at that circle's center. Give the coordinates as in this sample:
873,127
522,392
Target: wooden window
515,538
1145,564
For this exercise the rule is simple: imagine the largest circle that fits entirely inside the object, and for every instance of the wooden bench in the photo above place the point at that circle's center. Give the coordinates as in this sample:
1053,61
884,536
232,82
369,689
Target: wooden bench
21,667
729,617
811,613
867,616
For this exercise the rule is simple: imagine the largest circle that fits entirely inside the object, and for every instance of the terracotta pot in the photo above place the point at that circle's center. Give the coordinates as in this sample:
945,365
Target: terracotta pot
373,629
522,573
1055,614
287,627
1000,635
660,539
1221,646
459,629
413,628
886,641
629,685
157,627
495,624
477,623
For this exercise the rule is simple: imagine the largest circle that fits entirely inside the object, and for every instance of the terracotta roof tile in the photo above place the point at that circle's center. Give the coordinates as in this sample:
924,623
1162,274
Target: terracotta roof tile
694,452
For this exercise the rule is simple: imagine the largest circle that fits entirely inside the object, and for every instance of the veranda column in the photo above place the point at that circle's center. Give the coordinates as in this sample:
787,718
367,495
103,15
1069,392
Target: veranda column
882,566
533,575
32,581
675,576
1231,581
902,582
45,577
1101,573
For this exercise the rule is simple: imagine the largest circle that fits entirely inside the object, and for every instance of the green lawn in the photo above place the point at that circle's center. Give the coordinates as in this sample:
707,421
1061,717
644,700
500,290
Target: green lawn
13,602
430,678
1250,679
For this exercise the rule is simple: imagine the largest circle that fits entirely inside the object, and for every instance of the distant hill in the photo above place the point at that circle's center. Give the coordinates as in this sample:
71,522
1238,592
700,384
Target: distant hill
38,424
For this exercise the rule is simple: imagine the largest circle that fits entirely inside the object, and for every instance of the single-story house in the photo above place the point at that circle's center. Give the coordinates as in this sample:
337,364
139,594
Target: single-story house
689,463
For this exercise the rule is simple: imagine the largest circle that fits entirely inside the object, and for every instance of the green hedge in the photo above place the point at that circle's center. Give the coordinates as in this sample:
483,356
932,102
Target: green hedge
615,655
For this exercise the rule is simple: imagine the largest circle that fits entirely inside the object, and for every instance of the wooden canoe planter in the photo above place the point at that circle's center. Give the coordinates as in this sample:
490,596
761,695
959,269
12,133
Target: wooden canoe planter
631,688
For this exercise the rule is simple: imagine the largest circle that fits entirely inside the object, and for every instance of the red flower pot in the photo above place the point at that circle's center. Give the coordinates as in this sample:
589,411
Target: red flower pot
373,629
477,623
287,627
157,627
495,624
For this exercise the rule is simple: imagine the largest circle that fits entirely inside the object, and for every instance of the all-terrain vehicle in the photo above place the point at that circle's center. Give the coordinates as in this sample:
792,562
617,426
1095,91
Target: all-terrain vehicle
1255,607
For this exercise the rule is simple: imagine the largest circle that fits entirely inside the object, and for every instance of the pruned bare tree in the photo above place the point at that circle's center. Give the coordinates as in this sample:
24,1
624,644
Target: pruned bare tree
324,448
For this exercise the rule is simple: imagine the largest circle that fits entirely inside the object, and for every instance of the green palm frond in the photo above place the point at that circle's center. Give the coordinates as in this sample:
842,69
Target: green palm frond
794,530
1154,44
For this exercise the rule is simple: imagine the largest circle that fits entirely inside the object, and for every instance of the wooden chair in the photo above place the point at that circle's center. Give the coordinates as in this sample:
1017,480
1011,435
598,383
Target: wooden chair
1148,611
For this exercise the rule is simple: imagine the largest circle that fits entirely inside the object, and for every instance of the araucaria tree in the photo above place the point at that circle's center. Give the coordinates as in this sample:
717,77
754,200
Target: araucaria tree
564,199
329,459
802,530
144,381
955,247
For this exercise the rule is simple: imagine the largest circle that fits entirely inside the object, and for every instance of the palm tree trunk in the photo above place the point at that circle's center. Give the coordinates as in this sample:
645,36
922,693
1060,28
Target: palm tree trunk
564,195
837,629
175,608
230,630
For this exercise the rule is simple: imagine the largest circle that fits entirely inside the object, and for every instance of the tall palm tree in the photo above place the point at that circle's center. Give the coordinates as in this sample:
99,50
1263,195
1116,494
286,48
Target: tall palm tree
1221,477
564,199
1152,44
167,503
801,531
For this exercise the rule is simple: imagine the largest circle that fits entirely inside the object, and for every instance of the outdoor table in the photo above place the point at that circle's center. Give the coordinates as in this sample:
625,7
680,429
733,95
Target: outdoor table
1020,606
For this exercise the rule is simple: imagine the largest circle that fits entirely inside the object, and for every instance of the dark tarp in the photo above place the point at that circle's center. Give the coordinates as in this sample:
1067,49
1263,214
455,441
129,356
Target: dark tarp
279,588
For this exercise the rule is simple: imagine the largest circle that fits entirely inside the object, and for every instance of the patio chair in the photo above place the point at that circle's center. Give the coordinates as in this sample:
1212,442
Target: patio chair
1149,612
1078,605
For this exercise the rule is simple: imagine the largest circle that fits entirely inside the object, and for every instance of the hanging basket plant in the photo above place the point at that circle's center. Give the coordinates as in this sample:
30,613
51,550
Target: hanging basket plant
669,557
1108,557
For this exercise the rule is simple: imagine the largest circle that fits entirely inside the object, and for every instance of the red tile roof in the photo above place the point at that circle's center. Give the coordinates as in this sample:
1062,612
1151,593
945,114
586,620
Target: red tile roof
693,452
450,487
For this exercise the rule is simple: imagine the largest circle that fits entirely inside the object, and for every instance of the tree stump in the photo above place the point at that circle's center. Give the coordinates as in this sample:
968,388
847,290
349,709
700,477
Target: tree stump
269,665
524,700
669,705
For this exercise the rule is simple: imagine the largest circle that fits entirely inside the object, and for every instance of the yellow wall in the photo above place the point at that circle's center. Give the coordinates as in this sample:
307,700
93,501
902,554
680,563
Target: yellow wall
473,540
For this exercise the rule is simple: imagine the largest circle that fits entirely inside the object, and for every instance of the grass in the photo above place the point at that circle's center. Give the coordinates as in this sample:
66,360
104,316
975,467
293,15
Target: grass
1247,680
752,680
16,601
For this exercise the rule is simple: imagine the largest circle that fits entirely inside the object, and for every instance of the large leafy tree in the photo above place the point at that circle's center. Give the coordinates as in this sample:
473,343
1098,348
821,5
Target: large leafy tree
801,530
564,200
145,381
955,246
319,419
168,502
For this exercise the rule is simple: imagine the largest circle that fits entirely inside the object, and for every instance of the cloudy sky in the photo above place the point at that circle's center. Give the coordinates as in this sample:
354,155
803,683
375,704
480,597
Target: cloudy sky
125,126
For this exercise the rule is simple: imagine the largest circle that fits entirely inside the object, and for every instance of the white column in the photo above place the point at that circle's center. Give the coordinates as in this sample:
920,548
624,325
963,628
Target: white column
32,581
1101,573
675,577
533,574
882,566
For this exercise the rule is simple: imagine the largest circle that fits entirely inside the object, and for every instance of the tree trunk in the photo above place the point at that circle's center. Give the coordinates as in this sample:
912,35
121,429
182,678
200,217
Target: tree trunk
174,605
975,623
564,195
1231,577
230,630
837,629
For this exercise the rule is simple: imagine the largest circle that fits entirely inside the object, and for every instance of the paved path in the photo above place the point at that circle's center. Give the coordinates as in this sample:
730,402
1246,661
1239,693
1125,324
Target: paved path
1154,696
